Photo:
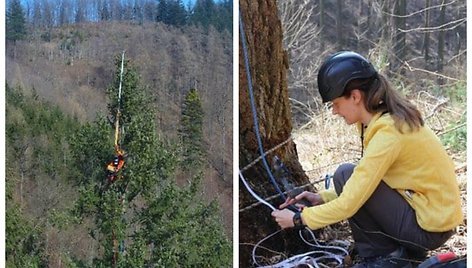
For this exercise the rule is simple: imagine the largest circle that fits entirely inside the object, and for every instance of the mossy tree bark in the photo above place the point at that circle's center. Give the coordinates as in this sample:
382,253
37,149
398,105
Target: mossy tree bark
268,66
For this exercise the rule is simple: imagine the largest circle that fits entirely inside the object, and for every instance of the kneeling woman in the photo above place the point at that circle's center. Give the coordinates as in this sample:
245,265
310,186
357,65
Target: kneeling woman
402,199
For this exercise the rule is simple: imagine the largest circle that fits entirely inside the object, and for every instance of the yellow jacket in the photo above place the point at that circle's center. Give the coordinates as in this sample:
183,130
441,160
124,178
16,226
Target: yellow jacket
413,163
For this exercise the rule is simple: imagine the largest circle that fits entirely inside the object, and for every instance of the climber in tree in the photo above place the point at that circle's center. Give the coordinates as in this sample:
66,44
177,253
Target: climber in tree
402,198
115,166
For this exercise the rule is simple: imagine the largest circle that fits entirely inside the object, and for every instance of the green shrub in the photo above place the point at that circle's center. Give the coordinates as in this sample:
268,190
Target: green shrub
456,140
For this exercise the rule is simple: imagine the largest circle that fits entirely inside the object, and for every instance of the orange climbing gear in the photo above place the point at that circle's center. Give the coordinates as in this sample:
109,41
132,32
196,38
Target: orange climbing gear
113,168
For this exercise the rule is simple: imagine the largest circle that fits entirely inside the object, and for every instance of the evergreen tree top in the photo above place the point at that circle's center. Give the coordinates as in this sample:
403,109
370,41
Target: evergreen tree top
15,21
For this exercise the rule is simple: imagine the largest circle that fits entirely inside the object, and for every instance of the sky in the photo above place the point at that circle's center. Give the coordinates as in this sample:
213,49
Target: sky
186,2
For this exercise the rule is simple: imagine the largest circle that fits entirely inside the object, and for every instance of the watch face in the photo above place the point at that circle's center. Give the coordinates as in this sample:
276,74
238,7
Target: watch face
297,219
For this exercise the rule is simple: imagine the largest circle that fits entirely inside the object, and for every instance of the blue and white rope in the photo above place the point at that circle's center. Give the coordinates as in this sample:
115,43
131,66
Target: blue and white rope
253,107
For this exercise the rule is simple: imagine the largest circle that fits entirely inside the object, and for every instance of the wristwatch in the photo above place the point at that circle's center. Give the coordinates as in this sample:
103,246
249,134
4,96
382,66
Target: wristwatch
297,220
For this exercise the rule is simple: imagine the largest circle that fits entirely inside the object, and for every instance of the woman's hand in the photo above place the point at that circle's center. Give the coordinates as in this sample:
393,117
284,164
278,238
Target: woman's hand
284,218
313,198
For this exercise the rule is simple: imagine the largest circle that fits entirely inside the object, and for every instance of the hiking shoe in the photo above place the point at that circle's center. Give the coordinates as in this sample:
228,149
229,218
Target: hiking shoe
396,259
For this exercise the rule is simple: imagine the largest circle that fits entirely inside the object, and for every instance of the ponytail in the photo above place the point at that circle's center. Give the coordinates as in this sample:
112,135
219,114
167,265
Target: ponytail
379,96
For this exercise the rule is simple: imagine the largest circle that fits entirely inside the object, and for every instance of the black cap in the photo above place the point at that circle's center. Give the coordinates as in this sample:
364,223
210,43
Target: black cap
340,68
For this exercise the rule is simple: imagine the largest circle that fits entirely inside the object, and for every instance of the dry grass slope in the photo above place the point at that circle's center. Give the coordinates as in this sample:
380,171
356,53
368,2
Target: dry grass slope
74,66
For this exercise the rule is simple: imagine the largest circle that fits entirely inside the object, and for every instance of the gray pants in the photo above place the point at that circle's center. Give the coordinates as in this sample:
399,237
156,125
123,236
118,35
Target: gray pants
386,221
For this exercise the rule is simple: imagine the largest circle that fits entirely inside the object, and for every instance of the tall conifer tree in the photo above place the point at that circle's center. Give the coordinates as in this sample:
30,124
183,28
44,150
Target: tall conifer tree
191,132
15,21
143,219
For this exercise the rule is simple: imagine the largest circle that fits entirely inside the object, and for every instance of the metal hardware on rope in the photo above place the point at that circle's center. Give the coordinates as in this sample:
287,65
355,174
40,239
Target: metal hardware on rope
286,192
327,180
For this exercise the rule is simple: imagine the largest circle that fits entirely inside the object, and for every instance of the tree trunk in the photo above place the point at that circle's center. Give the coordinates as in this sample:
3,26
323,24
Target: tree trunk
385,21
23,169
339,24
426,34
400,37
322,19
22,179
441,34
369,20
268,67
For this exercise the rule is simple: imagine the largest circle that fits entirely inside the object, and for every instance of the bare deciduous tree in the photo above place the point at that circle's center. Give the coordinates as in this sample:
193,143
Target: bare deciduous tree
440,61
426,38
303,40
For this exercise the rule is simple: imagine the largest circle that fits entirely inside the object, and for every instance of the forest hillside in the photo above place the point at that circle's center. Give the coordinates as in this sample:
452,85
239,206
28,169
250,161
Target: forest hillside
62,80
74,66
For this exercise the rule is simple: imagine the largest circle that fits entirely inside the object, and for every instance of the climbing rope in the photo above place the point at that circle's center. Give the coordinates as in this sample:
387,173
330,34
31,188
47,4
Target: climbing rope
253,108
118,110
254,194
115,166
118,246
311,258
324,179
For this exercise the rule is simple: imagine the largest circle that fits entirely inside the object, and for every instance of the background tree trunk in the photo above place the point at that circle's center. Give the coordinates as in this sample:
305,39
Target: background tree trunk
339,24
400,37
426,34
322,11
369,20
441,35
386,10
269,64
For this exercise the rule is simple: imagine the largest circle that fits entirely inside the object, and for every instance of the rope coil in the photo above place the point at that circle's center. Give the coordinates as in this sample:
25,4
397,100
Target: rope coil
311,258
